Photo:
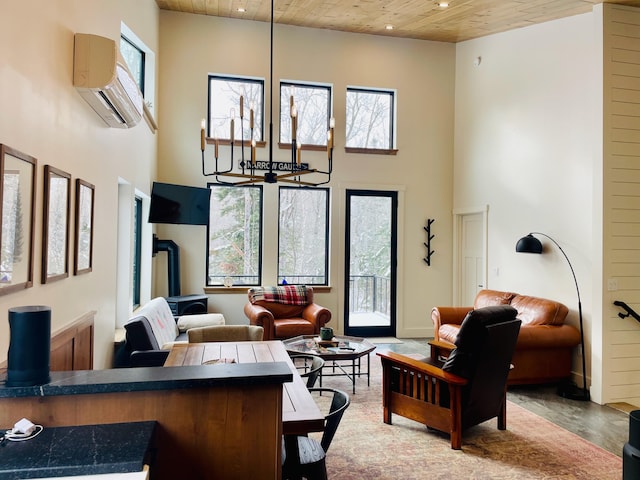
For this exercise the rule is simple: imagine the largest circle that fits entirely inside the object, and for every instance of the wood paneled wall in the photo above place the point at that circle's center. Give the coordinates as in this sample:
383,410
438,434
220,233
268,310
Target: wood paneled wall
621,201
72,346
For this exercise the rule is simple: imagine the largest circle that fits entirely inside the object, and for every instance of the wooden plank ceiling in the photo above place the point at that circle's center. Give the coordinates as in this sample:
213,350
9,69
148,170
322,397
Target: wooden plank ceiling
421,19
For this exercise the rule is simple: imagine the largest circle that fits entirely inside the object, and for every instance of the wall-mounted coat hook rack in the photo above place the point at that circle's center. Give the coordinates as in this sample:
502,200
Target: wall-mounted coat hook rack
628,309
427,244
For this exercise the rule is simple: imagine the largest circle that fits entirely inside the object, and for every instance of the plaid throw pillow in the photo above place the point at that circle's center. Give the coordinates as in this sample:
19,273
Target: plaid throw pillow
286,294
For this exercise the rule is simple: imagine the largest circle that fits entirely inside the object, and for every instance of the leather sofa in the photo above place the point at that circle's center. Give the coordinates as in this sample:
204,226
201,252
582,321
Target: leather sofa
545,343
285,311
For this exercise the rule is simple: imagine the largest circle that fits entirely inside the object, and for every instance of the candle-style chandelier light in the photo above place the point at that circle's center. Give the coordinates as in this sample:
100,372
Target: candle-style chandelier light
247,171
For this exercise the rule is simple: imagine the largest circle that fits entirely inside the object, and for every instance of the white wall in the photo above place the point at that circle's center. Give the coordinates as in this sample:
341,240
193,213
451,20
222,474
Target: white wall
525,144
44,116
423,74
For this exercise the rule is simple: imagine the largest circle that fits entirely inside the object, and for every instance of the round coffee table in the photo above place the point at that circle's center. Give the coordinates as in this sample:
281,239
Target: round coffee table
343,352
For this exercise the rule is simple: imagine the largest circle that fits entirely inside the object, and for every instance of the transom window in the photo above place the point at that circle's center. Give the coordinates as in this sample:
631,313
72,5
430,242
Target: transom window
234,235
303,236
141,61
227,96
312,107
134,57
370,119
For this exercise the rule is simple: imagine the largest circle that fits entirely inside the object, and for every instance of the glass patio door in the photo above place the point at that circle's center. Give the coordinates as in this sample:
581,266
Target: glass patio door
370,263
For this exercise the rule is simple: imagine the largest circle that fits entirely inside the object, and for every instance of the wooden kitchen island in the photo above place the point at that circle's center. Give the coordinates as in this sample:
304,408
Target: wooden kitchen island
213,421
300,413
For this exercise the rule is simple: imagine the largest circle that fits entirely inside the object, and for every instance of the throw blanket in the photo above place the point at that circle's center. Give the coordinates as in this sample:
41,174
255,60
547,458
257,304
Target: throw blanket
287,294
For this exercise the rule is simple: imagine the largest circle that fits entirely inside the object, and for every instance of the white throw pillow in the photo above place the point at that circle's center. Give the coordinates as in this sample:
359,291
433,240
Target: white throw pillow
185,322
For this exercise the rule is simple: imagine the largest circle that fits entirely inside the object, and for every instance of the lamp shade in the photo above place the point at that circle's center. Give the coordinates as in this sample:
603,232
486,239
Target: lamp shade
529,244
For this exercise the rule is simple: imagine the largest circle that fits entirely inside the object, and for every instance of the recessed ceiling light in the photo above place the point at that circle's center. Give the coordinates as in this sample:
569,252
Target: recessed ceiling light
443,4
388,27
241,10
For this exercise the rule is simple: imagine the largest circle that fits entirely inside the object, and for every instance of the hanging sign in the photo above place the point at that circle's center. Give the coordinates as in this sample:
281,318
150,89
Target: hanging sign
278,166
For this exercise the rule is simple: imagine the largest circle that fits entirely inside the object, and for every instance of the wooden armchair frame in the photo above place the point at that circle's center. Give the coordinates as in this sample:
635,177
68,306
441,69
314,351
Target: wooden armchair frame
414,389
422,391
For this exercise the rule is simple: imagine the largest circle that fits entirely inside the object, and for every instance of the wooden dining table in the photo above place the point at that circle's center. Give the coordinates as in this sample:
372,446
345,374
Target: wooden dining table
300,413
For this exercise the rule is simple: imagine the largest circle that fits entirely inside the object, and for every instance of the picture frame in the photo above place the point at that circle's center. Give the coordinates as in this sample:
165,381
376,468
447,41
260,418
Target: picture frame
55,226
85,199
17,211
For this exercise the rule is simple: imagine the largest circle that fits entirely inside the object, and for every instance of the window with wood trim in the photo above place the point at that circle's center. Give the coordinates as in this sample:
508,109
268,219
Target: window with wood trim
311,104
231,100
370,119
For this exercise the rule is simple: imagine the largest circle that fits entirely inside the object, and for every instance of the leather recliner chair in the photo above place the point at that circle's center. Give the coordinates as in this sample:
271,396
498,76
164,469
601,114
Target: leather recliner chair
468,389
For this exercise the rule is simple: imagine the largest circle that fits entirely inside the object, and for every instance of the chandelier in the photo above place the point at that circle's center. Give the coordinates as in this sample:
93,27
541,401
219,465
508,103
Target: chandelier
247,172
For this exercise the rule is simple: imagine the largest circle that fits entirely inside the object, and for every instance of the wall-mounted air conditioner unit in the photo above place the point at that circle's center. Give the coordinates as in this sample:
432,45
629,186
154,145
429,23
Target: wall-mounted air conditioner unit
101,76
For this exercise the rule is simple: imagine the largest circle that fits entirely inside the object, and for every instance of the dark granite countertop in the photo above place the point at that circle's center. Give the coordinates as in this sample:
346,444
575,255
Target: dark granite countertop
152,378
82,450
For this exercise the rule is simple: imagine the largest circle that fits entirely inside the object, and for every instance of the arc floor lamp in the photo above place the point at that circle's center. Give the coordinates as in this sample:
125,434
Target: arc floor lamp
531,244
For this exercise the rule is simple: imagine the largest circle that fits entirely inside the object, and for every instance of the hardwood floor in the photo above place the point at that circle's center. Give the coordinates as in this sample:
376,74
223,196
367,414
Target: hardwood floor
602,425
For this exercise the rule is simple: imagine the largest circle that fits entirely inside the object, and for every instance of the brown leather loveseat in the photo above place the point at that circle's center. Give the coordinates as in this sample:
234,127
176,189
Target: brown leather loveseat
285,311
545,344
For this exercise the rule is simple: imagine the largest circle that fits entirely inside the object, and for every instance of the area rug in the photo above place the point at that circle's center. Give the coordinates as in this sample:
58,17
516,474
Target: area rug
531,448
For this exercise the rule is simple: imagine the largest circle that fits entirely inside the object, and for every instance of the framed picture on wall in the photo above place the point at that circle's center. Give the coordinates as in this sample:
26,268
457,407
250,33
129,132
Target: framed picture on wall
83,227
55,227
18,191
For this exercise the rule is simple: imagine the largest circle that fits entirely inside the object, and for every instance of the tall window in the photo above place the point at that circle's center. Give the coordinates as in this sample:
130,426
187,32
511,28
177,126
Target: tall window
370,119
224,106
135,57
303,236
234,236
137,250
312,110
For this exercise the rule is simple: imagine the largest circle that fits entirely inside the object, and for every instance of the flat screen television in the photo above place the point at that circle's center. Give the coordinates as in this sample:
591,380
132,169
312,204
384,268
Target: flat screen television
180,204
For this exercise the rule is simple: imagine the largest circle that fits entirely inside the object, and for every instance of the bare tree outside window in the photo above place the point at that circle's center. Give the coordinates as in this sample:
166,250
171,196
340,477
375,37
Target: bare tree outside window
303,233
370,115
370,249
313,110
370,268
224,102
234,235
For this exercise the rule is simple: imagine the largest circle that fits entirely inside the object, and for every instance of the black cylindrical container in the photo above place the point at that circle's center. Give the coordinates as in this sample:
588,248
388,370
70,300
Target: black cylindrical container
29,346
634,428
631,450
